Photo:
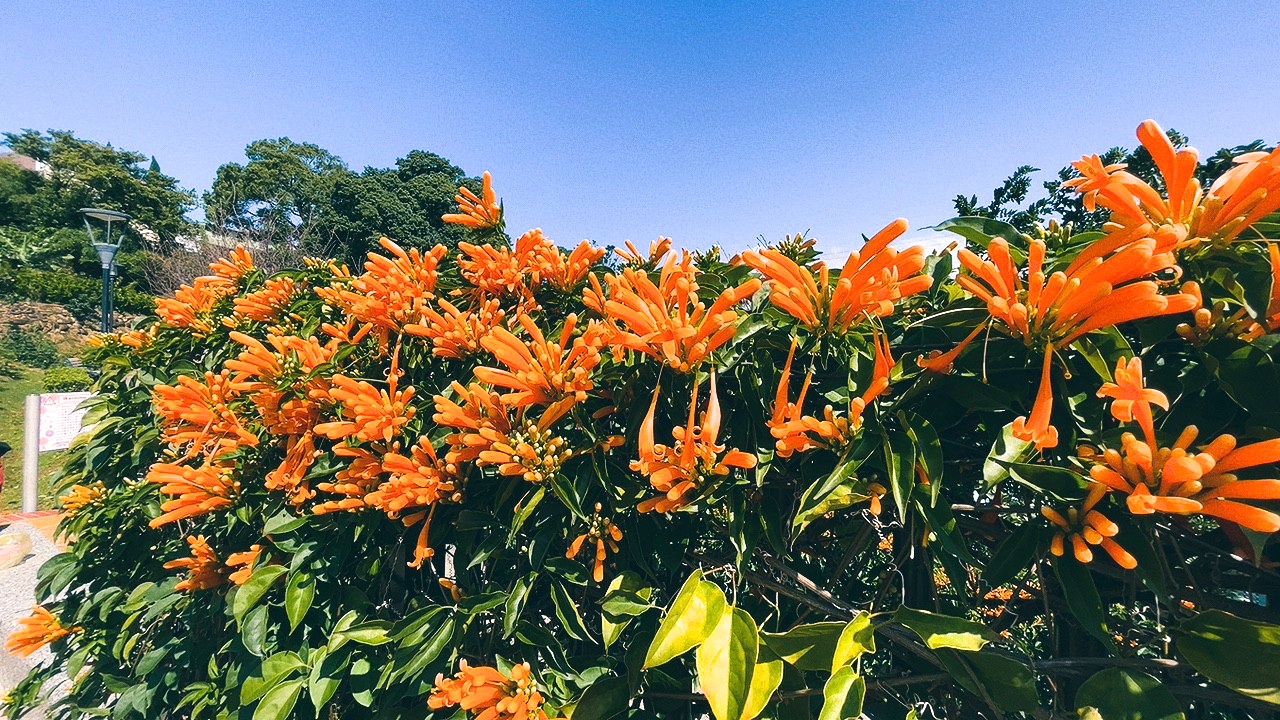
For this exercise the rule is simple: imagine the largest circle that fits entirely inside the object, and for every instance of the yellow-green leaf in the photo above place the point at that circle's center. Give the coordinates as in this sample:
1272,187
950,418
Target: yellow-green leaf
857,637
725,660
1241,654
807,647
842,696
694,613
945,631
766,676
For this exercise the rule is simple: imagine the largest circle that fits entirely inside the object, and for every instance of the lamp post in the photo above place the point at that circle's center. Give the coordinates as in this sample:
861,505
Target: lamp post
106,253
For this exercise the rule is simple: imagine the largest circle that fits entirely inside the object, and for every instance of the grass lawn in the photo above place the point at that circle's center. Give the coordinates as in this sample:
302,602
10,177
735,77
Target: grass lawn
13,391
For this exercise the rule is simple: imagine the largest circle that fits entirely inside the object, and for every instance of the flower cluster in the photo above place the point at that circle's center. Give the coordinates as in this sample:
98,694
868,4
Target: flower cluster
489,694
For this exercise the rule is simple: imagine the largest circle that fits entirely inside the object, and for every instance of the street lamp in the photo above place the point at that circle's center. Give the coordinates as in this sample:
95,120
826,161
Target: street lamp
106,253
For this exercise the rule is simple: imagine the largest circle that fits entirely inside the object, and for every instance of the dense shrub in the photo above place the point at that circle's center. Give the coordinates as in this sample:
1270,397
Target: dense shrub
66,288
515,482
66,379
31,348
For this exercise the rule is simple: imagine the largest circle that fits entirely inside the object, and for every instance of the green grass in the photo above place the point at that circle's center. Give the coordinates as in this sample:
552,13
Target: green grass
13,392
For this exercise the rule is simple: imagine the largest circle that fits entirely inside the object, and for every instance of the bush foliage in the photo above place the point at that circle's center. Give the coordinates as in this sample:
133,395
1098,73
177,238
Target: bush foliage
66,379
516,481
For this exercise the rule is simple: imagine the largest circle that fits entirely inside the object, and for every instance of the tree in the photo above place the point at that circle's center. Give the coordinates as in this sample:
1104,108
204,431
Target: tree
89,174
281,195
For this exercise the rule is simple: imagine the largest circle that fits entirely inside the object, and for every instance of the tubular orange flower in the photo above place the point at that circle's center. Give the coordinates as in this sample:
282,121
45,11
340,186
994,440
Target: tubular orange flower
604,535
666,320
417,484
1178,481
489,694
1131,400
191,307
245,561
197,414
872,280
1085,526
265,305
530,450
1237,199
369,414
633,258
1037,429
457,333
566,273
358,478
195,491
35,631
1272,320
796,432
477,409
80,497
477,212
205,572
541,372
393,291
681,471
290,477
234,266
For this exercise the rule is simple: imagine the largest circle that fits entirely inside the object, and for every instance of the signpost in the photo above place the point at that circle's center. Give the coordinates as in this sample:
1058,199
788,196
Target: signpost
52,422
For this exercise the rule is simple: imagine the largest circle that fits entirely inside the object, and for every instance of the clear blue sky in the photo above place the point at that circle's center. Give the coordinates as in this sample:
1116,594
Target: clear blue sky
709,122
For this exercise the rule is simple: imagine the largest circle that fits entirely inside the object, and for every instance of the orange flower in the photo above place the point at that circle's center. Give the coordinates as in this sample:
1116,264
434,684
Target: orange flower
393,291
1178,481
369,414
1085,526
566,273
666,320
290,476
198,414
233,267
477,212
633,258
1037,429
457,333
530,450
245,561
477,413
358,478
681,471
1237,199
489,694
604,535
542,372
417,484
1272,319
81,496
205,572
497,271
35,631
872,280
1131,400
797,432
195,491
191,307
265,305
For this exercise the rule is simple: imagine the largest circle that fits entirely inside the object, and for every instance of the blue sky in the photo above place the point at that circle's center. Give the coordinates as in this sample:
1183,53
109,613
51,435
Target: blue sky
709,122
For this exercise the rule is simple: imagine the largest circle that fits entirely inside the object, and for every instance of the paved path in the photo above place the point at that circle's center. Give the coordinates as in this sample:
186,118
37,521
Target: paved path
17,593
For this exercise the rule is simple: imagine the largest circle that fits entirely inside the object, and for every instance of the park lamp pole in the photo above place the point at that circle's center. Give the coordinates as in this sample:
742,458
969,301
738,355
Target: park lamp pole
106,253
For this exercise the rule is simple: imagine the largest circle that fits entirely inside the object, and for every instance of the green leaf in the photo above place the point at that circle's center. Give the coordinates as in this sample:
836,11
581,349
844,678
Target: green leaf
1101,348
612,625
1232,651
371,632
1055,482
982,230
1123,694
944,631
567,612
278,703
274,669
928,450
285,522
807,647
834,492
1082,598
857,637
1010,683
766,676
526,509
1013,555
606,698
1005,449
325,677
514,603
725,661
248,594
842,696
426,653
298,593
695,611
900,462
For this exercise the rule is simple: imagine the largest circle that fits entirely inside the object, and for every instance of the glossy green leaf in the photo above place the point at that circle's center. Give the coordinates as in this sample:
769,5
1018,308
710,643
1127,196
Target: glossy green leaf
1082,598
695,611
1014,554
567,612
606,698
843,695
725,660
900,463
831,493
634,588
1055,482
857,637
273,670
944,631
1232,651
1006,449
278,703
766,676
298,594
248,594
808,647
1124,694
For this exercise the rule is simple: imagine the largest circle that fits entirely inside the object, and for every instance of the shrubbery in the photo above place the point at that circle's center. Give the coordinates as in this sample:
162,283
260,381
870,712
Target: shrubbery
69,289
518,482
66,379
31,348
